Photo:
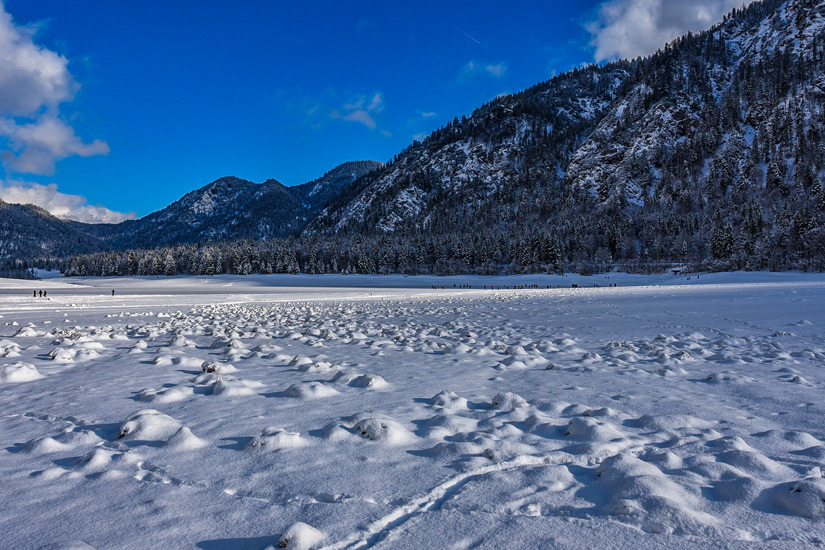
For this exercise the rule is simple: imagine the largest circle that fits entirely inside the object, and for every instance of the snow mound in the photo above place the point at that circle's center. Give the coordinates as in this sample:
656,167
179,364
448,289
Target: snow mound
188,362
674,422
275,439
508,401
96,459
300,360
29,332
78,437
232,387
791,439
19,372
218,367
449,400
318,367
638,493
454,448
442,426
164,360
310,390
301,536
369,381
44,445
804,498
62,355
384,430
184,440
182,342
148,424
165,395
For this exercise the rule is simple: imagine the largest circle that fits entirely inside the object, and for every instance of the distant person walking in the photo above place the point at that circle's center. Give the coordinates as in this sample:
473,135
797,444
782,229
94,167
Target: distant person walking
113,292
34,293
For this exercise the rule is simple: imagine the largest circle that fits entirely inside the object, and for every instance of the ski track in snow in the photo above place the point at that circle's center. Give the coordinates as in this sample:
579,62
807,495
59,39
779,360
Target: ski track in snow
394,418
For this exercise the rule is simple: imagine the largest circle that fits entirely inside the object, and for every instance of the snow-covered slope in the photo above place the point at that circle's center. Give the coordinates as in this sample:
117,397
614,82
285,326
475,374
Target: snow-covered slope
668,109
27,231
232,208
710,148
480,158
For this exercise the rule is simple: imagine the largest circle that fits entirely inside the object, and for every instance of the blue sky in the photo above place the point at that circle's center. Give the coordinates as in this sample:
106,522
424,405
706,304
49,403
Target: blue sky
129,105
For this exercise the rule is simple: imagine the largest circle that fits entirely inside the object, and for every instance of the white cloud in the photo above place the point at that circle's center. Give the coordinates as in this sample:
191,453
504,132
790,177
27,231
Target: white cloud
30,76
633,28
420,117
61,205
496,70
376,104
467,70
473,68
362,110
34,82
372,104
359,115
35,147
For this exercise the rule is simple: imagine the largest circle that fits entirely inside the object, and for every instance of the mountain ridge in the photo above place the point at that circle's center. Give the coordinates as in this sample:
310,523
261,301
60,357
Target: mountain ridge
229,207
710,151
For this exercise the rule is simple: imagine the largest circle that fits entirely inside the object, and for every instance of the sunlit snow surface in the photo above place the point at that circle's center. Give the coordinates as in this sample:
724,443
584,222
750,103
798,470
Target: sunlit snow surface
376,412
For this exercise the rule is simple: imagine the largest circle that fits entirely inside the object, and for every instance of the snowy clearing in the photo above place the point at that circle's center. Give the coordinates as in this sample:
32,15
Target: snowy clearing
376,412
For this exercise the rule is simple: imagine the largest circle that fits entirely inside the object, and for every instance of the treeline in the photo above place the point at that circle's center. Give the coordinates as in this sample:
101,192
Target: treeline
487,252
26,273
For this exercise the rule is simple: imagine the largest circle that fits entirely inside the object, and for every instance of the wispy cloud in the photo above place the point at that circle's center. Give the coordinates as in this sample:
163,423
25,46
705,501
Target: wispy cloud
34,82
632,28
420,117
61,205
473,68
496,70
359,115
362,109
467,70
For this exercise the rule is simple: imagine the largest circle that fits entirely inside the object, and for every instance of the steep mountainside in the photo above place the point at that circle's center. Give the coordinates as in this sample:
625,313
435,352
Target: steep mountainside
478,162
315,194
28,231
711,148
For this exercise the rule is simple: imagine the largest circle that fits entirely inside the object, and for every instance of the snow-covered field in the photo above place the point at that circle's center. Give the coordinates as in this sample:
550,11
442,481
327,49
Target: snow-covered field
375,412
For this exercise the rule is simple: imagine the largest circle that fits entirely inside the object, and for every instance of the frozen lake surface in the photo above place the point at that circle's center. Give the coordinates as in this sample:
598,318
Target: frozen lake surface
377,412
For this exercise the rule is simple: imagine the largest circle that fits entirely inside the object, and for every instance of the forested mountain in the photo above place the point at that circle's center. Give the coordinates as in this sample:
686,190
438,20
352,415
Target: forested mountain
231,208
28,231
710,152
711,149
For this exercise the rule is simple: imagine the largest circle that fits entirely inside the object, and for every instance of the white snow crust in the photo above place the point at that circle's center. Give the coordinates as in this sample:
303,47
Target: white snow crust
379,412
